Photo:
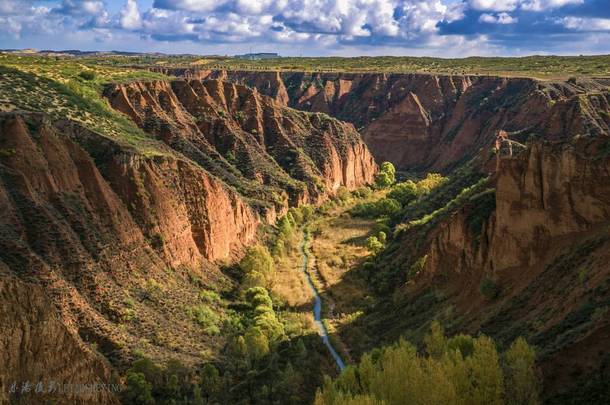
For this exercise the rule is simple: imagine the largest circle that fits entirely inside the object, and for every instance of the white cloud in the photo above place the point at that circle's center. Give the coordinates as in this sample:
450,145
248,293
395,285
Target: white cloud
501,18
542,5
511,5
585,24
494,5
130,16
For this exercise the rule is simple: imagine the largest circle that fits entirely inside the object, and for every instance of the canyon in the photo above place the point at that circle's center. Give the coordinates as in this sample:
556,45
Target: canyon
90,222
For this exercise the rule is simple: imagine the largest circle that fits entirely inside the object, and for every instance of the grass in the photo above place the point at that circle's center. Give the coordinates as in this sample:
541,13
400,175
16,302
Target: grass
71,89
537,66
543,67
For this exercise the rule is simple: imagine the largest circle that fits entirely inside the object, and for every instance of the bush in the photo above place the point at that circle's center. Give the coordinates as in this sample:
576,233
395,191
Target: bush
87,75
386,207
404,192
138,391
386,176
258,267
489,288
206,317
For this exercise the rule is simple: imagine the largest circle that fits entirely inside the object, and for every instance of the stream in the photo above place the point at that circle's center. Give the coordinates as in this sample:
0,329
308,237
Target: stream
317,308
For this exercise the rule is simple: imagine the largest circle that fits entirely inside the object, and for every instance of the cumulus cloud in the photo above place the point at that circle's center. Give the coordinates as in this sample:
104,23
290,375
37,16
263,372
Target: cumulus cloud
541,5
585,24
321,26
501,18
130,16
80,7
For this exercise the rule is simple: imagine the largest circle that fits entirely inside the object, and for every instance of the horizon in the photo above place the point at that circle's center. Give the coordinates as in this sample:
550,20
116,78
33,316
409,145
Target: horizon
447,29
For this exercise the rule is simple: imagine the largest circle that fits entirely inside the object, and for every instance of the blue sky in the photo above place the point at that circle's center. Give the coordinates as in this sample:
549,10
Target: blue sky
446,28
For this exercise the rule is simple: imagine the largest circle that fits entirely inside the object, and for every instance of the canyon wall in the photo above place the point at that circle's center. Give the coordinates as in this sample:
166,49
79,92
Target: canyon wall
250,141
89,243
105,242
543,256
434,122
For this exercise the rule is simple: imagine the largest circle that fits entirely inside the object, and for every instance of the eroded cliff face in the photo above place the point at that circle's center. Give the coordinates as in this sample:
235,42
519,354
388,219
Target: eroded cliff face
105,243
433,122
103,246
545,249
38,349
549,192
236,133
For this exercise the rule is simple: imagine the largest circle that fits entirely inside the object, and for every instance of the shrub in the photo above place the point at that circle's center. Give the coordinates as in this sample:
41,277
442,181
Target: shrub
384,207
87,75
489,288
386,175
258,266
206,317
138,391
374,244
404,192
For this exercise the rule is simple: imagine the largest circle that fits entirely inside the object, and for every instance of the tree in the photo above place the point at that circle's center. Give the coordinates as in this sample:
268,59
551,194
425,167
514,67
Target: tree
374,245
139,391
404,192
386,175
435,341
257,343
459,370
522,382
258,267
210,381
387,207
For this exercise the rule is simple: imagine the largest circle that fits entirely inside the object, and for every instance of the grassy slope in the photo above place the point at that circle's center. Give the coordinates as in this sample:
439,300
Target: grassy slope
54,86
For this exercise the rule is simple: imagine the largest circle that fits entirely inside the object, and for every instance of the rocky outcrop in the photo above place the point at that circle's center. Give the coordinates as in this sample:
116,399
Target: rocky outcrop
547,193
101,245
543,254
433,122
236,133
42,360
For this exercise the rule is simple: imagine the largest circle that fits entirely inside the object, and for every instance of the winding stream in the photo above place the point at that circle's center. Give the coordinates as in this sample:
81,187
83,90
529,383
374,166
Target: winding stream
317,308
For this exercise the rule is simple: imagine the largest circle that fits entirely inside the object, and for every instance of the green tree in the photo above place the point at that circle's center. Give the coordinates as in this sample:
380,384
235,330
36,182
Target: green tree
522,381
460,370
404,192
435,341
257,343
374,245
138,391
387,207
210,381
258,267
386,175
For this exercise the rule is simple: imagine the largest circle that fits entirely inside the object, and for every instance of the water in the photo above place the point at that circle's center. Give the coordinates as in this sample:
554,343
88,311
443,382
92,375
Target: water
317,307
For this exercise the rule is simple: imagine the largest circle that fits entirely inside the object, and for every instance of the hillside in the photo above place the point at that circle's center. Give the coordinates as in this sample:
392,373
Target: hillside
117,235
172,226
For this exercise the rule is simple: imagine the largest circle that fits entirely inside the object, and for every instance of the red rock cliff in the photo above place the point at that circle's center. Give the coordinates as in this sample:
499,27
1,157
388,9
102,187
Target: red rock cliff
433,122
237,133
89,224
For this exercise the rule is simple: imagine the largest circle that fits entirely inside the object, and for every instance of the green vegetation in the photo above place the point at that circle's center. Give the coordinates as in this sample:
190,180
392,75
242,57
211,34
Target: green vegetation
377,243
258,268
457,370
529,66
205,316
400,197
489,288
386,175
72,89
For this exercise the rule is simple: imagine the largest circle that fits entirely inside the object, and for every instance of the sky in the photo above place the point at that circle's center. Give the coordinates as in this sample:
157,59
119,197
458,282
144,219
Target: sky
443,28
